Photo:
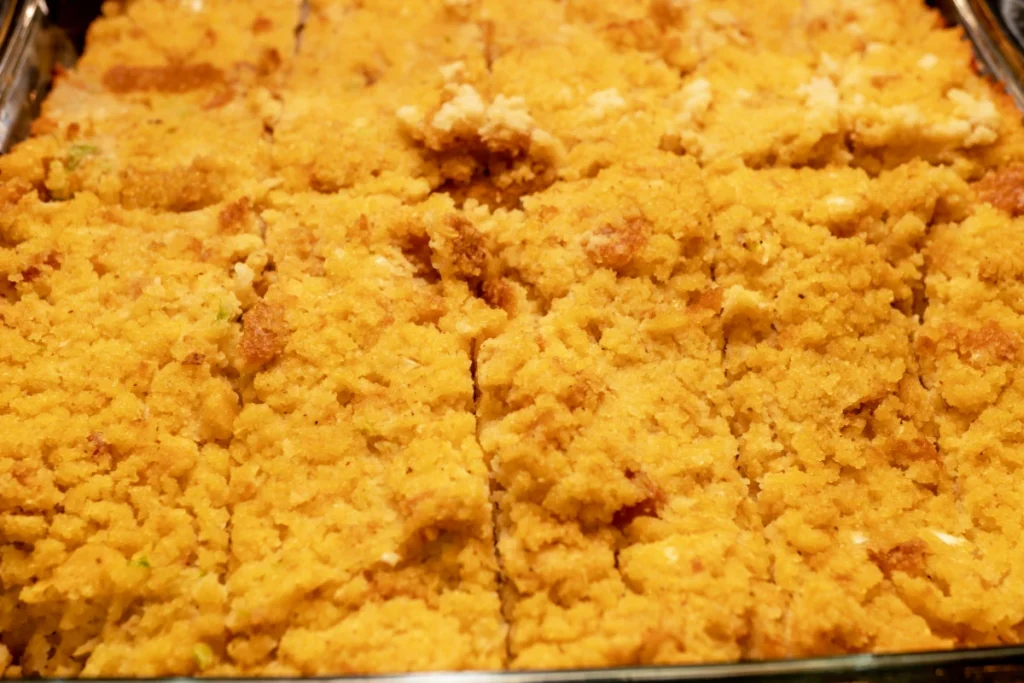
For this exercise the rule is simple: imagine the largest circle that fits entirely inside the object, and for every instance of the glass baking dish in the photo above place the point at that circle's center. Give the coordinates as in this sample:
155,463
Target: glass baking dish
997,665
30,51
996,29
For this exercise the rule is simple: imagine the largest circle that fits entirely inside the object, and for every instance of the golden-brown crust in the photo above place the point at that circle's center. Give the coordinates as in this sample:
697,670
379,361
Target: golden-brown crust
615,246
499,293
170,79
653,499
262,24
688,309
235,215
987,344
1003,188
909,557
468,255
264,334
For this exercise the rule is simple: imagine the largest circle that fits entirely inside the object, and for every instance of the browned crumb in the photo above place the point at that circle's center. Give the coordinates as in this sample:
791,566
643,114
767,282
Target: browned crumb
233,217
1004,189
909,557
264,334
492,152
173,78
468,254
615,246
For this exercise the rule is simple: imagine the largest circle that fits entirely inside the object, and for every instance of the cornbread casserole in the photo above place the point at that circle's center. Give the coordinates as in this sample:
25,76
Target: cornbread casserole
361,336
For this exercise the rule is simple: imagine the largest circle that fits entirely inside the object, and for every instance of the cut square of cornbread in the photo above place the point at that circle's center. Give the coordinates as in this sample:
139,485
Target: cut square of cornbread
602,105
969,347
646,217
878,107
624,528
819,271
379,59
165,57
148,49
180,160
116,359
361,528
170,108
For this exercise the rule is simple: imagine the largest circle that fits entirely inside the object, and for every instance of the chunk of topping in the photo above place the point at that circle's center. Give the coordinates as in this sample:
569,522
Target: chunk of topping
173,78
263,334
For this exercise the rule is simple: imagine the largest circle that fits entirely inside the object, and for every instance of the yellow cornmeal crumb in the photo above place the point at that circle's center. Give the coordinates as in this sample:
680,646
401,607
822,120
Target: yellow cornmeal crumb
624,528
117,340
378,59
890,211
604,106
834,427
361,535
876,108
495,334
969,346
175,161
167,109
154,41
647,218
758,110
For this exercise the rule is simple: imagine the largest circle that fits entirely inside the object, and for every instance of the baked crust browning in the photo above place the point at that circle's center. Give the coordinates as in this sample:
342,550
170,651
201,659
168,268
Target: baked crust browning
481,334
167,109
263,334
615,552
969,348
360,500
1003,188
836,432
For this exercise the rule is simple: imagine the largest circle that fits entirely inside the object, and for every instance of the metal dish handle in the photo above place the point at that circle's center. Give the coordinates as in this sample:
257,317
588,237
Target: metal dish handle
29,53
999,52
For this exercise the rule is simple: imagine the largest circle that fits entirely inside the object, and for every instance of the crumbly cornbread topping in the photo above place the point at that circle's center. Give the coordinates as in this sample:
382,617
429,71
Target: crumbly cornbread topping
485,334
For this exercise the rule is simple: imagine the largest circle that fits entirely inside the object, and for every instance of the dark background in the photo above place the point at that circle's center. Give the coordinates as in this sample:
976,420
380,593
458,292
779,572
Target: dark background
74,17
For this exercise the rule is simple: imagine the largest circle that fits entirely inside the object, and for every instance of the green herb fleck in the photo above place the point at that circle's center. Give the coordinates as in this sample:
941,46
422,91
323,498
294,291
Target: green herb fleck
141,561
78,153
203,655
223,313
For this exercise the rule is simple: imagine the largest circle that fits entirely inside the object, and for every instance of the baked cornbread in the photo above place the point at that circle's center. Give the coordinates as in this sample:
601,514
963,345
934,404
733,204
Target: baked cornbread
367,336
167,109
624,530
376,58
969,345
361,535
820,270
118,414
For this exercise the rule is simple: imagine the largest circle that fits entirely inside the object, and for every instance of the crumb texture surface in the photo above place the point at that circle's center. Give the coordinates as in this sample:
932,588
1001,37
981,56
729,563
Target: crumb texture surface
376,336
